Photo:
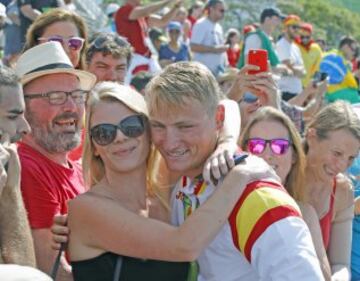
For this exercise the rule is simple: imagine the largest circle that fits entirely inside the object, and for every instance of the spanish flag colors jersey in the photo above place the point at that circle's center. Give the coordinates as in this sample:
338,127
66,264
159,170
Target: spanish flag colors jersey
265,237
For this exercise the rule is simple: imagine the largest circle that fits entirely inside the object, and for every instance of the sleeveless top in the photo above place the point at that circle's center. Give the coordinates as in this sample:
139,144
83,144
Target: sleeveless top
325,221
102,268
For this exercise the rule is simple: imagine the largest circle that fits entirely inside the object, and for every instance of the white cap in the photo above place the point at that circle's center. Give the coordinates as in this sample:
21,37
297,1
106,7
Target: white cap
2,10
112,8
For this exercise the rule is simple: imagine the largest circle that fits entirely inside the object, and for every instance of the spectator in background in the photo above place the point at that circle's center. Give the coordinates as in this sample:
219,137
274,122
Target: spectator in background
207,39
55,95
108,57
157,38
181,17
260,38
132,21
289,54
310,51
337,65
110,11
140,80
176,50
30,10
61,26
12,33
234,50
194,13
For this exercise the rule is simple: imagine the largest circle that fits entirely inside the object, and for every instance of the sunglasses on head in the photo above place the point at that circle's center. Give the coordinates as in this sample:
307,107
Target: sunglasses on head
103,39
74,43
278,146
132,126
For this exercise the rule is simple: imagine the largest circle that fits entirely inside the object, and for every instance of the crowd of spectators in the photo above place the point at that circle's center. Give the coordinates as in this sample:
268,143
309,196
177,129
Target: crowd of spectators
152,149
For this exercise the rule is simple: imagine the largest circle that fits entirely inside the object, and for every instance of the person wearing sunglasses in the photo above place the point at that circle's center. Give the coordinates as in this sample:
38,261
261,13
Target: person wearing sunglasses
310,51
289,54
63,26
110,223
332,142
271,135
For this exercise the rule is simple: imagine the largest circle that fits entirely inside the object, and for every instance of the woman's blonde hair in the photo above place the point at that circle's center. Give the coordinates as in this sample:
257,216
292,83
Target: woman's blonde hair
294,182
93,166
38,27
335,116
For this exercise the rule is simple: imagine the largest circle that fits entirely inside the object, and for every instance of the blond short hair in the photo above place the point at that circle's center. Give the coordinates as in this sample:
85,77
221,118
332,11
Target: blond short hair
180,82
294,182
335,116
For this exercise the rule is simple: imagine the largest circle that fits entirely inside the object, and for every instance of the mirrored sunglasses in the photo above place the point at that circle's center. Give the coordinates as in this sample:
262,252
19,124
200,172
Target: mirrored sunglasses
278,146
132,127
74,43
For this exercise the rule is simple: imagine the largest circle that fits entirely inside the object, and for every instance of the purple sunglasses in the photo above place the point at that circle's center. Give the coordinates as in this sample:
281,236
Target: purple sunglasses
278,146
74,43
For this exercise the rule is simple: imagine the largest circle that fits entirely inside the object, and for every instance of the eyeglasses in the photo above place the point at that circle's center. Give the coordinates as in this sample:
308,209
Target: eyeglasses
278,146
295,27
74,43
249,98
60,97
132,127
305,37
99,41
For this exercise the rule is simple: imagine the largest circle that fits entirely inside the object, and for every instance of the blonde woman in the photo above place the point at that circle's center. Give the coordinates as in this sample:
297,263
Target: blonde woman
271,135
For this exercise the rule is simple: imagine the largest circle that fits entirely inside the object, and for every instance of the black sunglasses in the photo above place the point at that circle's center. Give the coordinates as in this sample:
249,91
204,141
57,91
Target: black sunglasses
132,127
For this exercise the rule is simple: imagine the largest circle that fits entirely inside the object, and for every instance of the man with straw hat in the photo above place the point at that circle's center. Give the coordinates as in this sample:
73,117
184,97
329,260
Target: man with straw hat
55,95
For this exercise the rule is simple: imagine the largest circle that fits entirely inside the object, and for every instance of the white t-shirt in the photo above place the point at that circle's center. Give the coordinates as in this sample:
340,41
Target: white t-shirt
283,251
208,33
289,51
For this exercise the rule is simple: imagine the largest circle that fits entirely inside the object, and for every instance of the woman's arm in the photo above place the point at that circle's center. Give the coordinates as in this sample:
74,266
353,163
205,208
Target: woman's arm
103,224
339,251
312,221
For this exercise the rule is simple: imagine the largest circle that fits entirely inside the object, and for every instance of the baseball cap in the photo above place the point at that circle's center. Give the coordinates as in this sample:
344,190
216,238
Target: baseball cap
157,34
291,20
270,12
174,25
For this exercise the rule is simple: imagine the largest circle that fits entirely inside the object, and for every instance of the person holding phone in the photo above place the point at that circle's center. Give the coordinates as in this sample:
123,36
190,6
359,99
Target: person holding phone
289,54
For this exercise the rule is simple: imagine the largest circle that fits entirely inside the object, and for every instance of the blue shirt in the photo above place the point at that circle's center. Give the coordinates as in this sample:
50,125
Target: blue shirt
355,251
166,53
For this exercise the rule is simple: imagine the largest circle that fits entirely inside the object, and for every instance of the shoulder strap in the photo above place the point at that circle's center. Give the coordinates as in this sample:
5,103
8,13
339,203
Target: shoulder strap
118,266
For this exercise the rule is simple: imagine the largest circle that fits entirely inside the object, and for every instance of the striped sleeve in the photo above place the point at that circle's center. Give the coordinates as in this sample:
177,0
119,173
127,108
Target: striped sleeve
261,204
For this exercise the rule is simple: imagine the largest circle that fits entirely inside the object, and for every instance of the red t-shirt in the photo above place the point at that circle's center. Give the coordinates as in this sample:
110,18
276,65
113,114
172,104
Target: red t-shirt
134,30
233,55
47,186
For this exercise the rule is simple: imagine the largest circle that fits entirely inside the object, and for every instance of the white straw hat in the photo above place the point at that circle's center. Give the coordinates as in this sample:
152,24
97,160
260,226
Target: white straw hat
49,58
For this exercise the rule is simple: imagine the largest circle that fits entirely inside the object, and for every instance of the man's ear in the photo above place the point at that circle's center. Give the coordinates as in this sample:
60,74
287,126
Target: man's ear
220,116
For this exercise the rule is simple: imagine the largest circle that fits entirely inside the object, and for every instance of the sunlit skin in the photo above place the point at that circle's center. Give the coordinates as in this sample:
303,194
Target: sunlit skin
246,111
12,109
53,122
108,67
328,157
186,136
65,29
124,154
281,163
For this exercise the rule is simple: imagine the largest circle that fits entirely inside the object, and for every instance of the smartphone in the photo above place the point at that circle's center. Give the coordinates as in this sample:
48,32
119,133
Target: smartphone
319,77
258,58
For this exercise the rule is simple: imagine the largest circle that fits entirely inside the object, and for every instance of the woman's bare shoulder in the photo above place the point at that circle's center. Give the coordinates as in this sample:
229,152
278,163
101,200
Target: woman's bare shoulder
344,195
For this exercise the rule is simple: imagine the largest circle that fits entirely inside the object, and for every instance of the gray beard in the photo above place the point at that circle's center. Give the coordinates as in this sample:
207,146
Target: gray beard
56,142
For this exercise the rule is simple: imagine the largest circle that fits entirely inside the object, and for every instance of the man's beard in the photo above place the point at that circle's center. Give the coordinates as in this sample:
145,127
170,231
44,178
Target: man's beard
53,141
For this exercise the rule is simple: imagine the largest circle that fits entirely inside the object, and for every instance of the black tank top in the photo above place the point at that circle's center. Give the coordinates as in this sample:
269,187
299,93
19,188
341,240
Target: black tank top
102,268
